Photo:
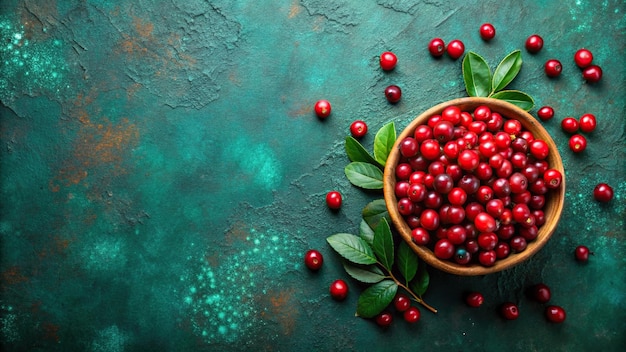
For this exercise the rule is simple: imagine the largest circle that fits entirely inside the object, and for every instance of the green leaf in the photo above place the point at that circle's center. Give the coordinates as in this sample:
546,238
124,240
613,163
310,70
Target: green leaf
419,285
369,274
364,175
374,211
383,142
476,75
383,244
366,232
407,261
352,248
376,298
356,152
506,71
516,97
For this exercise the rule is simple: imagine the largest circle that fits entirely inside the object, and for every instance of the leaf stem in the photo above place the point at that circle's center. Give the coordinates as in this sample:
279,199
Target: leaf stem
417,298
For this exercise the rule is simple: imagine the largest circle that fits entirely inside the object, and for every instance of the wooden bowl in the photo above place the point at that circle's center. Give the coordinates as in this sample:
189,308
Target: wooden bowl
554,198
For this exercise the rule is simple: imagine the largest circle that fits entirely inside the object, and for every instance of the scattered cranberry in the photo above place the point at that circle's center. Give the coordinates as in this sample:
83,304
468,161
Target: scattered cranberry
509,311
333,200
384,319
358,128
603,192
577,143
569,125
487,31
555,314
436,47
388,60
540,293
553,68
313,259
402,302
583,58
412,315
339,290
474,299
545,113
587,123
455,49
592,74
322,109
393,94
534,43
582,253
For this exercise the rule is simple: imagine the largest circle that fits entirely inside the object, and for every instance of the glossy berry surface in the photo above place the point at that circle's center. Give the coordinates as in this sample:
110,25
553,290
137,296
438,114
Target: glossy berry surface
545,113
401,302
553,68
333,200
313,259
577,143
534,44
592,74
436,47
322,108
581,253
339,290
540,293
384,319
587,123
487,31
388,60
455,49
358,128
412,315
509,311
602,192
569,125
393,93
555,314
474,299
583,58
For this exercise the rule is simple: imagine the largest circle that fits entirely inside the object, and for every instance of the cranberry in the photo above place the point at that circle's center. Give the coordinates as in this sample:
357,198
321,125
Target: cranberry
468,160
485,222
487,258
555,314
581,253
455,49
339,290
474,299
430,149
393,93
545,113
495,207
518,244
462,256
540,293
539,149
436,47
417,192
552,178
577,143
487,31
587,123
402,302
405,206
403,171
482,113
457,234
502,250
333,200
487,240
322,108
420,236
313,259
388,60
534,43
409,147
444,249
518,183
452,114
457,196
603,192
402,189
509,311
443,131
412,315
429,219
469,183
422,133
512,127
553,68
583,58
384,319
569,125
358,128
592,74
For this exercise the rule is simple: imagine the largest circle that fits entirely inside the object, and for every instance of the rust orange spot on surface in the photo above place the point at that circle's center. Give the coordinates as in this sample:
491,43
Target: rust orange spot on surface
12,276
238,232
144,29
51,332
295,9
281,309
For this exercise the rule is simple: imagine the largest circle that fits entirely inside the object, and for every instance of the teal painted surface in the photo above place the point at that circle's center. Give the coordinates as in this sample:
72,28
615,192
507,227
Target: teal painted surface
162,172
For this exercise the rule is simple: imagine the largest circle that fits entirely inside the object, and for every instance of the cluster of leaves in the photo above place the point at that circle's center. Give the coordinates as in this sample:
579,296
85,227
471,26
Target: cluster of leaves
479,82
366,170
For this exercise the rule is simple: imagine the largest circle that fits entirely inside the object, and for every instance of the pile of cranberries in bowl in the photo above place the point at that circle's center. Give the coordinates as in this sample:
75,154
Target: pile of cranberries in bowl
474,185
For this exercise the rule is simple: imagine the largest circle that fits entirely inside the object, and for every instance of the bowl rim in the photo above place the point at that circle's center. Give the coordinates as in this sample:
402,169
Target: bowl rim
557,197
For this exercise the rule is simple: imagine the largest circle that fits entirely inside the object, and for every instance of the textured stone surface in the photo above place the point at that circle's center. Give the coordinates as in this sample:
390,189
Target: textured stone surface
162,171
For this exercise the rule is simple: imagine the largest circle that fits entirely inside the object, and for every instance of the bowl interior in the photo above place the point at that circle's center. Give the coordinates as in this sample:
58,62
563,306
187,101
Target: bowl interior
554,199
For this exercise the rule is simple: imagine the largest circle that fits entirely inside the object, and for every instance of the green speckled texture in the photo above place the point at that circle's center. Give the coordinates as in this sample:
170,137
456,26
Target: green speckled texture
162,172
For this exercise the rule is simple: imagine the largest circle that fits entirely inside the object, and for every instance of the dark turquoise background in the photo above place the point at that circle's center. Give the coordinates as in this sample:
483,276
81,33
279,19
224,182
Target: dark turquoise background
162,172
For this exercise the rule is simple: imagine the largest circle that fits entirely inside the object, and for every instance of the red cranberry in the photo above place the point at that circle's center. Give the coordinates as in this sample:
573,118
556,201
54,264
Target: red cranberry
534,43
402,189
545,113
592,74
552,178
462,256
603,192
436,47
452,114
487,240
358,128
555,314
583,58
487,258
313,259
422,133
553,68
509,311
333,200
444,249
393,93
429,219
420,236
577,143
587,123
322,109
402,302
388,60
417,192
539,149
474,299
502,250
518,244
485,223
468,160
384,319
430,149
581,253
339,290
455,49
569,125
412,315
540,293
409,147
487,31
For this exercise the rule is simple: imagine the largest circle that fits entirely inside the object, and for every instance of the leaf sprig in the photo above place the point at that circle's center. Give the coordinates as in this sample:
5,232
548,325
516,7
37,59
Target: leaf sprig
479,82
366,170
371,258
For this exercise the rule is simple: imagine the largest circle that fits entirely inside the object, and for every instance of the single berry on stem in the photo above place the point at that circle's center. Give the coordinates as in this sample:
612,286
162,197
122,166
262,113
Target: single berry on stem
603,192
455,49
436,47
322,108
583,58
388,60
358,128
339,290
553,68
534,43
333,200
487,31
313,259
